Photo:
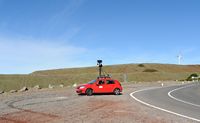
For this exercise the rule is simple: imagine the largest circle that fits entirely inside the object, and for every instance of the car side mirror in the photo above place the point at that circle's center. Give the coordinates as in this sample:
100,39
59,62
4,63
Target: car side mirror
97,84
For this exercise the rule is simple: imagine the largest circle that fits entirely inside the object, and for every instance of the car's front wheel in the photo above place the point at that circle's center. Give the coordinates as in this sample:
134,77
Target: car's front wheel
117,91
89,92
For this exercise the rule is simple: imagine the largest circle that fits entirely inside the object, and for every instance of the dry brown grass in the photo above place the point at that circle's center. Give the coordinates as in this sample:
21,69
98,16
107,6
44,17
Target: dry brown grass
134,72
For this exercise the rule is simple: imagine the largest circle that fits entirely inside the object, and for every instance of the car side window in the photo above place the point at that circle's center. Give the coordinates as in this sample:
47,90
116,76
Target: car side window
110,82
101,82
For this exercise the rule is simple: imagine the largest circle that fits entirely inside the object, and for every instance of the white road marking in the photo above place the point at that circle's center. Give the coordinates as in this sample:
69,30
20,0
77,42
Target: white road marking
169,94
162,109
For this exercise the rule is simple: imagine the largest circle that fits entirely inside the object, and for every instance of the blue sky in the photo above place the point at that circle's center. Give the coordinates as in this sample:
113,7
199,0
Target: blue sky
51,34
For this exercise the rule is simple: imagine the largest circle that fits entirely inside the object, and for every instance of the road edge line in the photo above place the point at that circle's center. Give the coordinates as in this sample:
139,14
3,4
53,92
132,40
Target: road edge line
162,109
177,99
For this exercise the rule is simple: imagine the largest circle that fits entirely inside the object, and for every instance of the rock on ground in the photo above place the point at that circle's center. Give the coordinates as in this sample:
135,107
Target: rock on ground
61,85
37,87
74,85
1,92
51,86
23,89
13,91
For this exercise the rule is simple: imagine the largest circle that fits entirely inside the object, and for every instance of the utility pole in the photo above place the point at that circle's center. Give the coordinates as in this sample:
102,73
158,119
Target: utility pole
125,77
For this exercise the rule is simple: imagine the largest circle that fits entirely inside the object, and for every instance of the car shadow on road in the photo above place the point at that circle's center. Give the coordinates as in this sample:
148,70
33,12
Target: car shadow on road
100,94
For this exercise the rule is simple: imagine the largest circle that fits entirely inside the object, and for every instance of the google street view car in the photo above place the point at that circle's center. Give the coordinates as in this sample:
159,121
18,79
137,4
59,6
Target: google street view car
103,84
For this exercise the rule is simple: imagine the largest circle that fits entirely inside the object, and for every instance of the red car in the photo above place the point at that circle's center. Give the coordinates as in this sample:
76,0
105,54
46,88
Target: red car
100,85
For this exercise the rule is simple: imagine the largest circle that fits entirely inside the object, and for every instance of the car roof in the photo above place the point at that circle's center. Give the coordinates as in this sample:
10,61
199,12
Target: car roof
104,78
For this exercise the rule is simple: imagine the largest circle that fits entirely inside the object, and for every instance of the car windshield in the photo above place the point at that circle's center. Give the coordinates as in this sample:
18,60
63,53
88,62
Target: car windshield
91,82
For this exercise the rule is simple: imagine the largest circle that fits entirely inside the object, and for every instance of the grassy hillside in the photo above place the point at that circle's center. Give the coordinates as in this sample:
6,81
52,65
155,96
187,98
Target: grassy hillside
134,72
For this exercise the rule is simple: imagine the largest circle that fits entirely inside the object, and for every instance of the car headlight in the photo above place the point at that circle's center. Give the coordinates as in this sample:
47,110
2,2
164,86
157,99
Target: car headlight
82,87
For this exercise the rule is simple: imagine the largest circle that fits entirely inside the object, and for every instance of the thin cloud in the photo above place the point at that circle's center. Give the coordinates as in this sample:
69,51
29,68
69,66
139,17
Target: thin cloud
34,55
63,15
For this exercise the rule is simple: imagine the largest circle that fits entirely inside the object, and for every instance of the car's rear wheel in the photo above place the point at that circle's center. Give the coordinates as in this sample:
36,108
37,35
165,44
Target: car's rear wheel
116,91
89,92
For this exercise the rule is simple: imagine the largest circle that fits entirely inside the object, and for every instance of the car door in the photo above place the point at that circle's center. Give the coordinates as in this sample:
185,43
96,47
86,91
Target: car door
100,86
110,85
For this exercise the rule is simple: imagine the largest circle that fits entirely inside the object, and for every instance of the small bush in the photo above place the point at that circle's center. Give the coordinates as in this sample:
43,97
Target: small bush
141,65
150,70
192,75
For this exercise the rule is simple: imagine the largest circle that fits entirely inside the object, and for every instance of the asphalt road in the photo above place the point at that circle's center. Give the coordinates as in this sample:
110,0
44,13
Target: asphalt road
181,100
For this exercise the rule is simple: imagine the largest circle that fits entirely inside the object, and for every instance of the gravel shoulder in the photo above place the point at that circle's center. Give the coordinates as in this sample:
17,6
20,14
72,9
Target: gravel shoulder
64,105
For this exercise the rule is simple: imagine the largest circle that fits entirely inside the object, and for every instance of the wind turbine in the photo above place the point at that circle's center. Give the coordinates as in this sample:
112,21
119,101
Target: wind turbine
179,58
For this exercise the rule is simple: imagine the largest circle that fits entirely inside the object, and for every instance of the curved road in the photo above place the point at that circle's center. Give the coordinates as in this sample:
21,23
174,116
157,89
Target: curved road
182,100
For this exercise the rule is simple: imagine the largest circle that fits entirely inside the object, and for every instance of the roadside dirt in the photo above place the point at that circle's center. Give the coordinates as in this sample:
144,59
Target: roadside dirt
65,106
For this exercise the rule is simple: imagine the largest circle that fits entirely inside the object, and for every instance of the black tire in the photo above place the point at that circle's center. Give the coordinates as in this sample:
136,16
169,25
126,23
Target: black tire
116,91
89,92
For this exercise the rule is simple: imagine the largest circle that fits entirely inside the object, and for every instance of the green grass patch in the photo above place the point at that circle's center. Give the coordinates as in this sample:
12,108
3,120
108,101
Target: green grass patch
141,65
150,70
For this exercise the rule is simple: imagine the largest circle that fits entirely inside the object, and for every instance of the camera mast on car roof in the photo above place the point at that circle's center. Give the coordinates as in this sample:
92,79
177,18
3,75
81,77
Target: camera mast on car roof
99,63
